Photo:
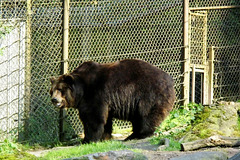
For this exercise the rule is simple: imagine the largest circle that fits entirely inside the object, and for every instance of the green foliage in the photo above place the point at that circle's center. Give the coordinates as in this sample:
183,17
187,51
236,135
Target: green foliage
8,147
173,145
11,151
42,127
179,120
177,123
5,29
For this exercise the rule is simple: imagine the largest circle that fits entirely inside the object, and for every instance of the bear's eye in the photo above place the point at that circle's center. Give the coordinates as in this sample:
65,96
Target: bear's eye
61,90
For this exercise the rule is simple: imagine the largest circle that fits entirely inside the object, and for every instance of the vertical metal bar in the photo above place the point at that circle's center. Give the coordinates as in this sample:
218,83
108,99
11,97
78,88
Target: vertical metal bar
205,38
193,83
27,80
211,72
65,35
202,88
19,78
22,32
186,52
63,112
8,84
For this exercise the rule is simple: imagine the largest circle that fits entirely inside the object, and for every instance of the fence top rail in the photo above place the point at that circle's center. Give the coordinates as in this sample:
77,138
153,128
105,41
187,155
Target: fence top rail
214,7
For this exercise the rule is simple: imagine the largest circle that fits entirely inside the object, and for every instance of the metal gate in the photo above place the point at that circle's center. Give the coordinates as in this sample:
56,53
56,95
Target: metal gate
201,64
12,77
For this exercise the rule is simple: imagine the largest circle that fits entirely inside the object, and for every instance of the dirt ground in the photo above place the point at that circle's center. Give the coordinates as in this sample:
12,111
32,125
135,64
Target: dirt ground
166,155
149,150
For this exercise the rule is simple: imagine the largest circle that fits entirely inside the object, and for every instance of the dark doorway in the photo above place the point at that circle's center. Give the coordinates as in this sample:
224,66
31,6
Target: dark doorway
198,90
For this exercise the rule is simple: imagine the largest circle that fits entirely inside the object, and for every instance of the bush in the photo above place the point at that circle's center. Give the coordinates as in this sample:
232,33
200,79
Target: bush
178,122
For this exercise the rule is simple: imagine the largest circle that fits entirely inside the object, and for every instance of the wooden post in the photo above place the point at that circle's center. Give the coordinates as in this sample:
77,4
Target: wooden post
65,35
27,80
63,112
193,84
211,71
186,52
214,7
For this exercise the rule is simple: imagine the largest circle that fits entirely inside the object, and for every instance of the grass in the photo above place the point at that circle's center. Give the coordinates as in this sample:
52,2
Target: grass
174,145
12,151
85,149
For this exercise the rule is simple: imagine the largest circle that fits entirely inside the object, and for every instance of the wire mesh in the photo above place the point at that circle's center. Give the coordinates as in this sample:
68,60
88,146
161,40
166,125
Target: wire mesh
45,61
11,77
227,73
107,31
223,33
12,55
198,37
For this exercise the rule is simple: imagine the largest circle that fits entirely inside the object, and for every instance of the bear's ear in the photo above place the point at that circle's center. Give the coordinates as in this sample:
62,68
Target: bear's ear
52,79
69,79
89,66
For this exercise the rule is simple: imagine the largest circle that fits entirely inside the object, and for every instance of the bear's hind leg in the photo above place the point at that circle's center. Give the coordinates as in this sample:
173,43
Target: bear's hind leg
141,130
146,125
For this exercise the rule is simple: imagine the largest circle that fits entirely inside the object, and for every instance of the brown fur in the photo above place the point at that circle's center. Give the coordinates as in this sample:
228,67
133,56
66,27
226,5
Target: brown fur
130,90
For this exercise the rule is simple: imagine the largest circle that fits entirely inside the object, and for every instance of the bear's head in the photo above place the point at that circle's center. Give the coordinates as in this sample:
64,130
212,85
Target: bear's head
68,89
63,91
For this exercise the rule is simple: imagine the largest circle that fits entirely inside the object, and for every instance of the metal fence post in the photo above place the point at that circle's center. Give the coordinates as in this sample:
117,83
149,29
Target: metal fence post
186,52
27,81
193,83
211,72
63,112
65,35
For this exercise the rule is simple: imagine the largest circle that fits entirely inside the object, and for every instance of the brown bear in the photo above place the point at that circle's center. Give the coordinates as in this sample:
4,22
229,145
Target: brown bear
131,90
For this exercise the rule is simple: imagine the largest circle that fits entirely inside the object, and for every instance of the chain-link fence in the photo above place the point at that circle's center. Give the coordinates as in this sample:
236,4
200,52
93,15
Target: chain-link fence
107,31
223,31
31,51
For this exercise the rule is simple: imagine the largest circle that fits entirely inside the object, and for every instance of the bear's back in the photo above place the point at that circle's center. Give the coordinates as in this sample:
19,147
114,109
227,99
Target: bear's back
137,72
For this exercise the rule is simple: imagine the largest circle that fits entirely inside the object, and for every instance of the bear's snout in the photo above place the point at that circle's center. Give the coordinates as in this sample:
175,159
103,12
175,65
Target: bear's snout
54,100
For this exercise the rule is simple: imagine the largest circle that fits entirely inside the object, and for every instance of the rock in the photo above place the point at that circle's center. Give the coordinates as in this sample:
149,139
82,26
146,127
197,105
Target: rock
235,157
203,156
221,119
212,141
164,143
116,155
143,144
